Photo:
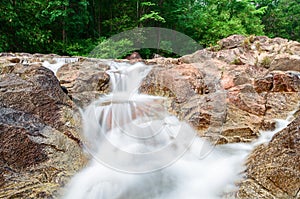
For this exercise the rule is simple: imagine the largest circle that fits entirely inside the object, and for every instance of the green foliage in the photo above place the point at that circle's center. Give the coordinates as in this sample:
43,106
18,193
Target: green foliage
146,14
73,27
80,47
213,20
282,19
152,16
40,26
110,49
147,3
147,53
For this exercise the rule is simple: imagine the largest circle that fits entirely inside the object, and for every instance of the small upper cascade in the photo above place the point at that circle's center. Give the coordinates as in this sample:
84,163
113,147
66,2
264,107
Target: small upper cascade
66,59
126,78
59,62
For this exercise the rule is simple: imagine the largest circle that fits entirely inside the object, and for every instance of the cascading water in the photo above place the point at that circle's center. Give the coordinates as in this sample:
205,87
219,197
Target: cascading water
59,62
139,151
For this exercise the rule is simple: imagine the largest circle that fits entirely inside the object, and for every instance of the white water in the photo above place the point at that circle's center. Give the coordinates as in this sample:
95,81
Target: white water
59,62
139,151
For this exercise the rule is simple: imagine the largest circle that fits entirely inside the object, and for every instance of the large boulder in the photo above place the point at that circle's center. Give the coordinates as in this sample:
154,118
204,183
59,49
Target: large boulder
257,89
273,170
40,148
85,80
191,93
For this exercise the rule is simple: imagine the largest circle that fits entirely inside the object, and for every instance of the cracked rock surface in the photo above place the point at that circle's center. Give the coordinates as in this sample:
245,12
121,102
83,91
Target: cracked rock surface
228,93
39,142
256,90
273,170
261,79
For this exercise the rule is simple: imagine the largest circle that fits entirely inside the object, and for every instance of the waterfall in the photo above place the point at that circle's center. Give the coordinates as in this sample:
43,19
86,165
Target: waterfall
59,62
139,151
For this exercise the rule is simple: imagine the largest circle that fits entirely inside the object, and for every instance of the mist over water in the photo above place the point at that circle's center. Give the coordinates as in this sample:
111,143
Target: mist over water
139,151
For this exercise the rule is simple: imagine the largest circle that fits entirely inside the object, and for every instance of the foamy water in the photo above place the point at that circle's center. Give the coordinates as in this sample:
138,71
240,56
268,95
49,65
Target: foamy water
139,151
59,62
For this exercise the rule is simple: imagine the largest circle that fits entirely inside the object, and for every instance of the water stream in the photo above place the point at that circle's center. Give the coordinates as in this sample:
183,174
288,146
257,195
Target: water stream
59,62
139,151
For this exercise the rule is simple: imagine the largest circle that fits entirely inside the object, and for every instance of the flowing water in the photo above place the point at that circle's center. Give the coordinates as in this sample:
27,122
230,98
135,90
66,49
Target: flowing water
139,151
59,62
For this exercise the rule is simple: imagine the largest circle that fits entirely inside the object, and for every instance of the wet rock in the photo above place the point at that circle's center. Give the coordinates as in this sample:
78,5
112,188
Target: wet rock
273,169
22,94
85,81
222,101
182,81
40,148
191,94
236,134
257,90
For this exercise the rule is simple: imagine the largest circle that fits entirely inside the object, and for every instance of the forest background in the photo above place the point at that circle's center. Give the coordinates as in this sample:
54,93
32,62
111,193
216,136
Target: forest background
75,27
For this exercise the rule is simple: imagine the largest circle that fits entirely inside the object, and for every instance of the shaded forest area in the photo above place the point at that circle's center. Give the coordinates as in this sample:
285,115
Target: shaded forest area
75,27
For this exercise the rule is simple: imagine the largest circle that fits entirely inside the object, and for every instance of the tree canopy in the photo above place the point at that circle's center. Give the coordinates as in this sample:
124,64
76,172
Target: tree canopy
75,27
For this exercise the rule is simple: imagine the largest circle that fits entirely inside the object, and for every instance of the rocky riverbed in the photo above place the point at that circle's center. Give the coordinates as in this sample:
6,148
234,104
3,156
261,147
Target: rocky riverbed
229,93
